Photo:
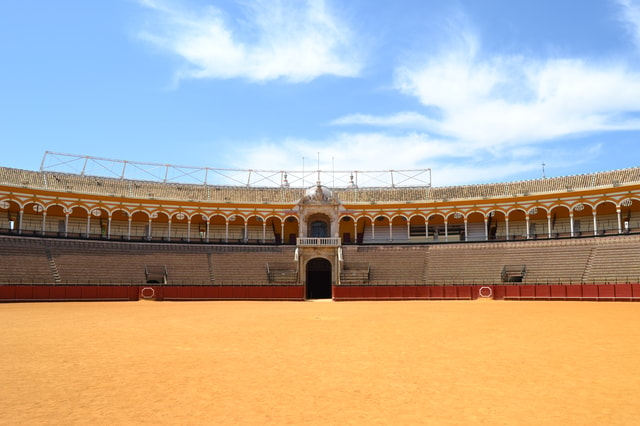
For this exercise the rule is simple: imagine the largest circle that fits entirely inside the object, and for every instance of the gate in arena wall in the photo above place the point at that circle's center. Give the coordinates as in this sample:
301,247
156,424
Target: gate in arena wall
319,279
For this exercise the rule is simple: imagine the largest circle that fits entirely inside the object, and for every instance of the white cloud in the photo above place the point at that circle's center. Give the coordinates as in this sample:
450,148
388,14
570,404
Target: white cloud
276,39
352,151
492,102
630,14
452,163
486,117
402,119
496,116
511,100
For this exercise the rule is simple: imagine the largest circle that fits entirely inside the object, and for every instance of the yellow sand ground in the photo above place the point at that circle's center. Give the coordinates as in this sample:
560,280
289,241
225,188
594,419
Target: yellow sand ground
466,362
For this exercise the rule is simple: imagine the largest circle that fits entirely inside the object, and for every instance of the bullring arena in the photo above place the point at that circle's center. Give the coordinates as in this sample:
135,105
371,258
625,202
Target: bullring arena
493,303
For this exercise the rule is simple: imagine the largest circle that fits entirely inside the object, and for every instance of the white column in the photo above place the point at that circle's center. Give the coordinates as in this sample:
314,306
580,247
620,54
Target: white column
595,223
66,225
390,230
446,230
149,233
282,232
207,237
548,225
20,215
466,230
109,227
373,230
408,230
189,230
44,222
246,231
264,231
129,228
486,230
571,222
506,226
426,230
355,231
169,230
226,230
619,212
528,222
88,224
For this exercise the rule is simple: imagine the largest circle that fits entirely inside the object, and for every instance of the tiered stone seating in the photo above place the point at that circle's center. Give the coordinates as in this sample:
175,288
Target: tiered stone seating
565,263
354,273
195,192
464,264
117,263
381,194
546,262
282,272
614,260
99,262
247,265
389,264
610,259
23,178
24,260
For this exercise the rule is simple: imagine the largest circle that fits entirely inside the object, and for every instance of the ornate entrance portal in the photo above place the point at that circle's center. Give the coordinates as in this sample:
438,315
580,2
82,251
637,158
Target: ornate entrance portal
318,279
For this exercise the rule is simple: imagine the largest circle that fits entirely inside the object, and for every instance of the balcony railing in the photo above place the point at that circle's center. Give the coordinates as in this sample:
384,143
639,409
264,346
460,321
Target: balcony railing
318,242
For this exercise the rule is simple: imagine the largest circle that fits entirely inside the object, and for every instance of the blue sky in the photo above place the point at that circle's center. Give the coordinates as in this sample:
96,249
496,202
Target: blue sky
478,91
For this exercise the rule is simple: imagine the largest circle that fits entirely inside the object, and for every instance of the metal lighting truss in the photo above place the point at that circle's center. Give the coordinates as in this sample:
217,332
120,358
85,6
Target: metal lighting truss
85,165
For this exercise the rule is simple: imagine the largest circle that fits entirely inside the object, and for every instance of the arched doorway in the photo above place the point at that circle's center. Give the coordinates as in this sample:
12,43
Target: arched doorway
318,226
318,279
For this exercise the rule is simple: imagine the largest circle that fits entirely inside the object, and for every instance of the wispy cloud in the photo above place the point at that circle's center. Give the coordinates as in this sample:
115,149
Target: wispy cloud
506,109
511,100
485,116
452,163
630,15
407,119
279,39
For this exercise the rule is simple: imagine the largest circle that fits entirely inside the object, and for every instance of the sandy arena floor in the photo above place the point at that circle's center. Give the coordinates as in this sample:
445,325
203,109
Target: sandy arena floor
475,362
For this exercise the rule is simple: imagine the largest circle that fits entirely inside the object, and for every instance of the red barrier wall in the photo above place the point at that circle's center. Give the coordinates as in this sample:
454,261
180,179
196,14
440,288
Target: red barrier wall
543,292
589,292
593,292
44,292
606,292
558,292
7,292
623,291
229,292
395,292
408,292
464,292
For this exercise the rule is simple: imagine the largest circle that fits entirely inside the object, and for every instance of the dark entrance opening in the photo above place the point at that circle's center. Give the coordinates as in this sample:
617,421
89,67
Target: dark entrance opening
319,229
318,279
